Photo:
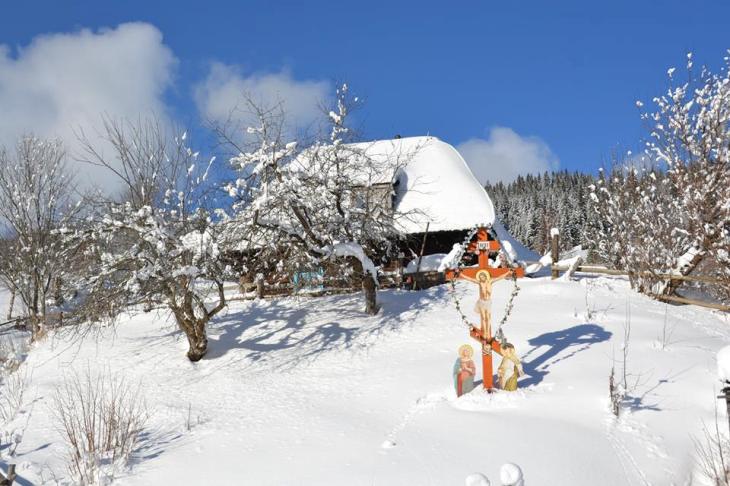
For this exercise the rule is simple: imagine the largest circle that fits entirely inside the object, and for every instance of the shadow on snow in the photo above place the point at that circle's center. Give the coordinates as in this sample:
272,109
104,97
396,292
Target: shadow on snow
555,344
311,326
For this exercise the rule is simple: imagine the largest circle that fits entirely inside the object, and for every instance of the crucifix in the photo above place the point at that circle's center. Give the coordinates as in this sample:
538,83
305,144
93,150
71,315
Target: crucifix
484,276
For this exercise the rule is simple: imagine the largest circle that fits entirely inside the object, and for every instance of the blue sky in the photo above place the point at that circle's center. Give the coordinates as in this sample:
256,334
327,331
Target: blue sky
555,81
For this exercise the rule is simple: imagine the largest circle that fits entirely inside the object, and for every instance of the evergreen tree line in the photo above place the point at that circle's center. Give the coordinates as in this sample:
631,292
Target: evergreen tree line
531,205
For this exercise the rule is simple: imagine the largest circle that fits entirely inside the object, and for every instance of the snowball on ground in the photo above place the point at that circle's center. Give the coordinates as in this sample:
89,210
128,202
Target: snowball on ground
510,475
723,363
477,479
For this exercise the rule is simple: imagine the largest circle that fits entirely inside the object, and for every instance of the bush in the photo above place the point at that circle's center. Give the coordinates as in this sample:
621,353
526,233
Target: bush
100,417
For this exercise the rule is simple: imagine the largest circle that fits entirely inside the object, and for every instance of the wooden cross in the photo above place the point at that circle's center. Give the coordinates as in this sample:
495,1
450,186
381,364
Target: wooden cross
483,246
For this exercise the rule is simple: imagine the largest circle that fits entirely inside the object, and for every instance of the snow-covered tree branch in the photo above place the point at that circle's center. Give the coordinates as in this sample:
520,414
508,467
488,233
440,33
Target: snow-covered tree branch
670,218
157,241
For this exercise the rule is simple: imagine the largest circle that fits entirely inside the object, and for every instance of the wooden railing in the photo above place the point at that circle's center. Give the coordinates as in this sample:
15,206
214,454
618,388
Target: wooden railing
662,276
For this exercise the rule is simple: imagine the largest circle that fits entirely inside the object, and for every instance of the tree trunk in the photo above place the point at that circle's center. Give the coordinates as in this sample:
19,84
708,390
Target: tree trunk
192,324
194,329
36,327
197,338
198,341
369,288
371,295
57,292
554,253
12,303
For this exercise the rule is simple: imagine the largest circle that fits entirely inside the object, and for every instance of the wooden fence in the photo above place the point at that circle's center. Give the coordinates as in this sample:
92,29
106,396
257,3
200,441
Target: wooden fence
665,276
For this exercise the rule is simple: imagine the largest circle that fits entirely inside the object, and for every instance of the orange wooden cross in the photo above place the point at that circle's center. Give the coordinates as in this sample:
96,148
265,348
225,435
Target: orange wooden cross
483,246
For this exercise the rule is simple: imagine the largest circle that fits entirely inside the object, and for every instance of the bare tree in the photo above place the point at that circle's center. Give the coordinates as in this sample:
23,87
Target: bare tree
155,241
36,201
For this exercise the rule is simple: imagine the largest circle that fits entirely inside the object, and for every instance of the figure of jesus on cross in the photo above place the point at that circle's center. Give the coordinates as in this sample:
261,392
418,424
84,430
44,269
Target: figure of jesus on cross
483,307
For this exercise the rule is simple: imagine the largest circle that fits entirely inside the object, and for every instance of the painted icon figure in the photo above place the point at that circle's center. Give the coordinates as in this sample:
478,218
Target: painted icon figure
510,369
464,370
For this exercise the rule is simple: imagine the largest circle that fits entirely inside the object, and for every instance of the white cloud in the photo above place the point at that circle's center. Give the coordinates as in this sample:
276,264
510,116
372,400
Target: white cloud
65,81
222,95
504,155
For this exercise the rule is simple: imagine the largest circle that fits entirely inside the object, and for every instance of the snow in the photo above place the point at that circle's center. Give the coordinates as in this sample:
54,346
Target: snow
507,246
308,390
723,363
451,260
435,186
439,262
684,260
516,249
200,244
572,264
429,263
574,252
350,249
13,343
535,267
477,479
571,259
511,475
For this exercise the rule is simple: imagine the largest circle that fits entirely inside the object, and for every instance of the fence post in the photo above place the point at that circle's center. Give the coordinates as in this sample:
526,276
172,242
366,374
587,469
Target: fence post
554,252
420,256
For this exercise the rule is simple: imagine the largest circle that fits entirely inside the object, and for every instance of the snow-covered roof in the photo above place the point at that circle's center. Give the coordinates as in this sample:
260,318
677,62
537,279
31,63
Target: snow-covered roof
435,186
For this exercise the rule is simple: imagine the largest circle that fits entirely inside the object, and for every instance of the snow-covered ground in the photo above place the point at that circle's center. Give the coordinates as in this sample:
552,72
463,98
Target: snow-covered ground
310,391
13,343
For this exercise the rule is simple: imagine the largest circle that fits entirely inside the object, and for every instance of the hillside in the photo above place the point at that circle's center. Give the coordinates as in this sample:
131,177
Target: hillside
301,391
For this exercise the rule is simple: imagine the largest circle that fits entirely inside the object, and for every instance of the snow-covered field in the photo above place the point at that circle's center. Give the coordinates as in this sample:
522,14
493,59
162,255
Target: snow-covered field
301,391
